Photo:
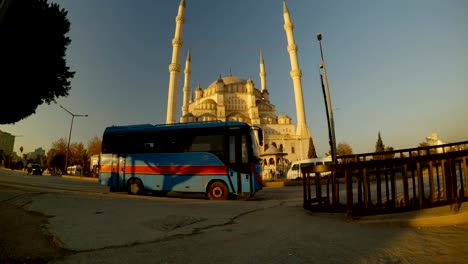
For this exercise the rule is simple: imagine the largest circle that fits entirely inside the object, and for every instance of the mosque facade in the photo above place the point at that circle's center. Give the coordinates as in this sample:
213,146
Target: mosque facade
231,98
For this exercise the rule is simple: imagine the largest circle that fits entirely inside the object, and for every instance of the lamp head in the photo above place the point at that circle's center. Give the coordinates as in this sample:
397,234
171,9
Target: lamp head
319,36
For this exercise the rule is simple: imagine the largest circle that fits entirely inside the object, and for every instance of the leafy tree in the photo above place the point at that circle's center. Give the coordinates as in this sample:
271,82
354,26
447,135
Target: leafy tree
423,144
311,153
56,155
75,157
94,146
60,146
426,144
389,155
33,45
344,149
55,159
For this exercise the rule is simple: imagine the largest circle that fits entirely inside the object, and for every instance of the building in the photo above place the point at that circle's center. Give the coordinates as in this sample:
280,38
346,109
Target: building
232,98
433,140
7,142
37,153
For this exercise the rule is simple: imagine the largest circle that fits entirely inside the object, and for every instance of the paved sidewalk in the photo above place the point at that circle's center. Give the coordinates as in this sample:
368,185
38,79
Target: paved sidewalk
449,215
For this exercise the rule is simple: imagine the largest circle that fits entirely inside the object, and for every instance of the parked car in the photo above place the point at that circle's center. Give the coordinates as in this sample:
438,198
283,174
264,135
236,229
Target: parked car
35,169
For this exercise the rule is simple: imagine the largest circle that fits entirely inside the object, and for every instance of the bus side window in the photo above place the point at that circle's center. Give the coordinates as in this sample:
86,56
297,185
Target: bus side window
148,147
232,149
245,156
201,144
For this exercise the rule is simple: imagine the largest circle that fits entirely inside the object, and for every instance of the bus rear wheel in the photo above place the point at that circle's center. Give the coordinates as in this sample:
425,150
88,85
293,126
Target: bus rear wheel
218,191
135,186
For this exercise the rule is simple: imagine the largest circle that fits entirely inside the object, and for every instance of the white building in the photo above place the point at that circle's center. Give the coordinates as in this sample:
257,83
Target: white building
231,98
433,140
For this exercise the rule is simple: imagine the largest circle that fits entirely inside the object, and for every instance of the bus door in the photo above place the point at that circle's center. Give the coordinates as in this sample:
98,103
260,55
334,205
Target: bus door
118,173
121,177
239,169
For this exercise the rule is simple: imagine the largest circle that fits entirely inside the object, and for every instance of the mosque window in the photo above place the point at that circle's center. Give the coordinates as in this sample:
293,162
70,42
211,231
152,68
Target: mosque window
292,150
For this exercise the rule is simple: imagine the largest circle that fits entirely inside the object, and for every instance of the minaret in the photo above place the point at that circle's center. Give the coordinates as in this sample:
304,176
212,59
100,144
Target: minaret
262,73
174,67
186,89
296,74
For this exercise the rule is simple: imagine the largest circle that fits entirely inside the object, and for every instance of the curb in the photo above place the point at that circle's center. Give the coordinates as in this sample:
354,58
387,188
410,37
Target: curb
274,184
80,178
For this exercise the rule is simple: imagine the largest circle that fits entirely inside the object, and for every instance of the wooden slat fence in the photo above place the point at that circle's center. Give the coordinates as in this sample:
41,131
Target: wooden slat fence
389,182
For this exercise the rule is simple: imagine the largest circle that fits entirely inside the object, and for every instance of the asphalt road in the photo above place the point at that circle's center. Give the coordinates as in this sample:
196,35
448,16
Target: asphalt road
95,226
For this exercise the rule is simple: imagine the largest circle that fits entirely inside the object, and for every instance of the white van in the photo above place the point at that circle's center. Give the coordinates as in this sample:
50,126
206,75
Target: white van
75,170
294,171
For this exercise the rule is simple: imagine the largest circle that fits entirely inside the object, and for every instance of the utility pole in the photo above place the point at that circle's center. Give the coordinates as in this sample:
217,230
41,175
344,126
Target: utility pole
69,135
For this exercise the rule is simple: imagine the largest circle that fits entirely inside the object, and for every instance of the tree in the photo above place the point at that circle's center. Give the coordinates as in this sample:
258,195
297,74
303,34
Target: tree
311,153
77,152
55,159
56,155
60,146
344,149
21,154
379,146
94,146
423,144
33,45
389,155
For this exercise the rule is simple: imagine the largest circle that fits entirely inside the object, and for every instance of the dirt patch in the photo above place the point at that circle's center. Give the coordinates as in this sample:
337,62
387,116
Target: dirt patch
23,237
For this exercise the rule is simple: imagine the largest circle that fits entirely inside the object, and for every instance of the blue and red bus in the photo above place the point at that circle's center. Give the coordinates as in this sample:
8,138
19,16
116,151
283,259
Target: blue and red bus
219,159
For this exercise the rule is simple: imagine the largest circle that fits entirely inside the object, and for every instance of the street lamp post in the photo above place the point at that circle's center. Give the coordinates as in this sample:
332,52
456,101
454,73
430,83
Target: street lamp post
69,135
331,124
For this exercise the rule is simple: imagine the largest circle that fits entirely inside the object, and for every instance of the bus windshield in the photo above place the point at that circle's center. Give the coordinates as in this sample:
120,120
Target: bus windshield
215,158
255,145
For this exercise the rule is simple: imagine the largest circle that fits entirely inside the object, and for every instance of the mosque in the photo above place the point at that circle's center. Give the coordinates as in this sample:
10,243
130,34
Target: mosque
231,98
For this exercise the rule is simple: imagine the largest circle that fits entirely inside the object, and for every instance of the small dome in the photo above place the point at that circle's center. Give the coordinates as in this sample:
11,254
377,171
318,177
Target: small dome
272,150
188,115
208,104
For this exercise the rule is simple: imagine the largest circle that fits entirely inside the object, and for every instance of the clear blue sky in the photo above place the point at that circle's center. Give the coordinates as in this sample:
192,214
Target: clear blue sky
399,67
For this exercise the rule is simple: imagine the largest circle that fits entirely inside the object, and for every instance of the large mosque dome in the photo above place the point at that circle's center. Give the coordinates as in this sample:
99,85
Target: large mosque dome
228,80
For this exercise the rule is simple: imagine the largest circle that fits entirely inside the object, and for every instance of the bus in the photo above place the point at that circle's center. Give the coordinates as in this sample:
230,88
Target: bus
294,171
219,159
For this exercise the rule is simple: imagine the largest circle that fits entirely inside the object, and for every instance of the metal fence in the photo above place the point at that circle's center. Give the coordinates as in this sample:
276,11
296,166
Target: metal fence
389,182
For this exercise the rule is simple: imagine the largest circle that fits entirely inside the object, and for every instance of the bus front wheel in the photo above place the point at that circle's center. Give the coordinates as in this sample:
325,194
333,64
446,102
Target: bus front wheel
135,186
218,191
